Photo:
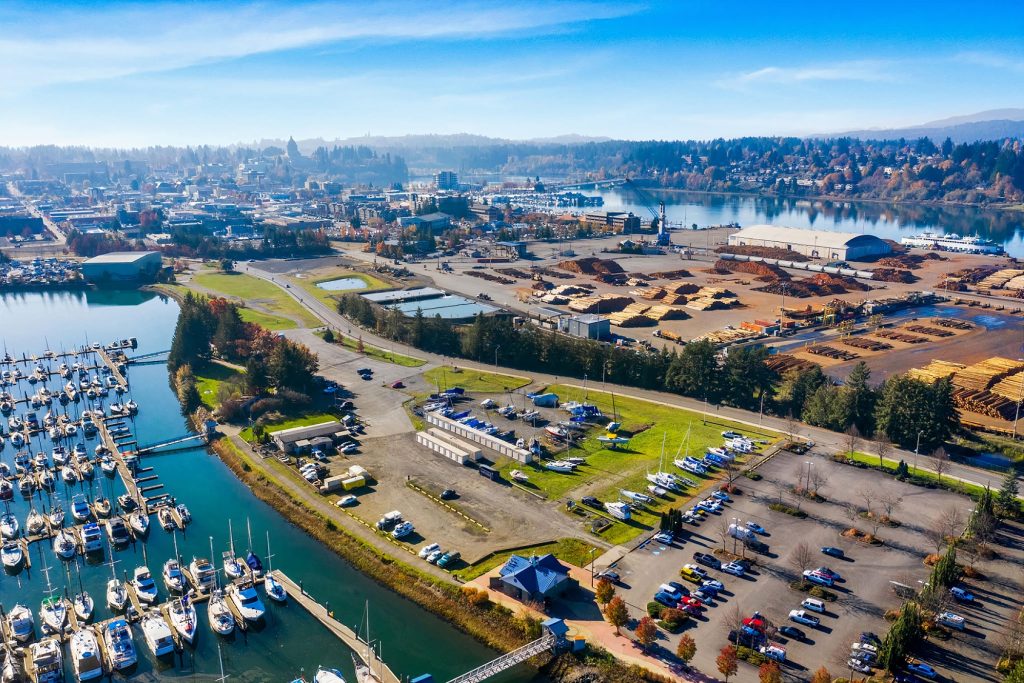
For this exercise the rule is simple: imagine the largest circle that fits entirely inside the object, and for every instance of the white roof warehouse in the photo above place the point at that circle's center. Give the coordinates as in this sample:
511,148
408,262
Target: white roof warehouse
824,244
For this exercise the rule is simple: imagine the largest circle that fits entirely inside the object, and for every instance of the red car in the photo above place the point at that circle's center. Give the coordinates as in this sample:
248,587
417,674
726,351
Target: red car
689,609
692,602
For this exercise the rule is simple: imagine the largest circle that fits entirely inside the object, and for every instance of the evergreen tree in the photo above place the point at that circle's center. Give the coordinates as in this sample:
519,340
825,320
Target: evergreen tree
694,371
824,409
860,399
796,388
1006,499
256,374
292,366
748,377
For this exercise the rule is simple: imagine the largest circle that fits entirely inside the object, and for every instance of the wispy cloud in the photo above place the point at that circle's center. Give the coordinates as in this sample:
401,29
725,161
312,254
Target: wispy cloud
869,71
42,47
990,59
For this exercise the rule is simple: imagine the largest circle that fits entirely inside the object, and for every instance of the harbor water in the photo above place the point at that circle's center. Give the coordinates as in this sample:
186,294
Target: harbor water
289,642
885,220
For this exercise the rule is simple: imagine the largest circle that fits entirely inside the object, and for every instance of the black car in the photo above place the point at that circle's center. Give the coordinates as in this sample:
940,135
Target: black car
610,575
792,632
870,638
833,551
449,494
707,560
593,502
365,371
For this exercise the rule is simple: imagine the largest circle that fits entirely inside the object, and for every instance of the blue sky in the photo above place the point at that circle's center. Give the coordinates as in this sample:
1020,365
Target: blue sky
118,74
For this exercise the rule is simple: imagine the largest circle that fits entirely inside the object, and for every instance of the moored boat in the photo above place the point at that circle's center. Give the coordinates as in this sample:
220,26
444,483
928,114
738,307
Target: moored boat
157,634
120,649
85,655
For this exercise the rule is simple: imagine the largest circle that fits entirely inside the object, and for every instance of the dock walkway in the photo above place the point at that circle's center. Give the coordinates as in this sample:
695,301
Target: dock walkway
344,633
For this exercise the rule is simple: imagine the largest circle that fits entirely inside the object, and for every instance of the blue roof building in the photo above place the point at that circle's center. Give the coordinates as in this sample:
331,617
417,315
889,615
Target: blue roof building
534,578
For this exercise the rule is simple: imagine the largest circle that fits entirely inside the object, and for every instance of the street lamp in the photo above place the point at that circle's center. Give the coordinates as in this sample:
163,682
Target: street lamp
916,448
592,551
807,486
496,348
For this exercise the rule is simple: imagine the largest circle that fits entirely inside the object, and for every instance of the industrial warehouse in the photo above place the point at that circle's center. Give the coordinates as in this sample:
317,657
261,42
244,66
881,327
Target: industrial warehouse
824,244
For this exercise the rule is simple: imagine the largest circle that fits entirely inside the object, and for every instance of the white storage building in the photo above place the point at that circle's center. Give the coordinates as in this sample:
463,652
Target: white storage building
825,244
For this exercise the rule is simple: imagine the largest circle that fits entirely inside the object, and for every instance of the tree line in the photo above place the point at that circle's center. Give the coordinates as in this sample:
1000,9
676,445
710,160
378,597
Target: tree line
899,410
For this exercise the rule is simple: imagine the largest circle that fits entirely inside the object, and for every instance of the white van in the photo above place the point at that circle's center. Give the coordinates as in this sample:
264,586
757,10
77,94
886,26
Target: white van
814,605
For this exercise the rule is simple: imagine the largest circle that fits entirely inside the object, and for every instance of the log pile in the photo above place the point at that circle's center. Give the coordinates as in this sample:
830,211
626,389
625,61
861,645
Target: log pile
998,279
866,343
901,336
984,403
752,268
634,315
894,275
937,369
783,363
909,261
591,266
984,375
953,323
831,352
607,303
551,272
515,272
662,312
763,252
671,274
1011,387
490,277
931,331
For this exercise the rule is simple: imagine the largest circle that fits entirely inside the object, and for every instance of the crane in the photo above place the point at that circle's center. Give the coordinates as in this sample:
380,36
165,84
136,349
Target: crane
648,202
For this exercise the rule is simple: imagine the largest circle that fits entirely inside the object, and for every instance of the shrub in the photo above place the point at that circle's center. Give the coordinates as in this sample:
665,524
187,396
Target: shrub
476,598
788,509
753,476
821,593
672,620
654,609
752,656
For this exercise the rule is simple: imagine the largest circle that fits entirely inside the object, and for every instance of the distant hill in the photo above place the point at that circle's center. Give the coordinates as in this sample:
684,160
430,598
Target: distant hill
430,141
986,125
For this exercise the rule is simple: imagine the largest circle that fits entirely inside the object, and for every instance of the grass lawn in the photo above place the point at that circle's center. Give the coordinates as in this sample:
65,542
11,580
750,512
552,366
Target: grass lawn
253,290
922,476
271,322
572,550
298,421
608,471
330,297
474,380
208,381
379,353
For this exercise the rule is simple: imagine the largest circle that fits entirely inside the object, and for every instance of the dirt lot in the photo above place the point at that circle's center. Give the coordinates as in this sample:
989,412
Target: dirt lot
863,595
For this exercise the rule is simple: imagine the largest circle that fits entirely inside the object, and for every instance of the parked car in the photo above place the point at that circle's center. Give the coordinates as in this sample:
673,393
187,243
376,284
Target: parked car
398,385
858,665
923,670
697,570
449,494
815,577
713,584
870,637
347,448
731,435
428,549
961,594
433,557
802,617
593,502
756,528
666,599
734,568
612,576
448,559
347,501
722,496
664,537
792,632
706,559
365,371
833,551
830,573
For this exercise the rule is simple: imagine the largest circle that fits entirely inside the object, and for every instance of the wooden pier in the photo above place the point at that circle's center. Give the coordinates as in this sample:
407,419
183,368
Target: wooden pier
344,633
121,379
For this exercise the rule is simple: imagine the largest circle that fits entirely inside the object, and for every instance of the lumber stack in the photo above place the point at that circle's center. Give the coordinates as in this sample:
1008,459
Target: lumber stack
606,303
937,369
866,343
831,352
953,323
984,403
633,315
982,376
998,279
783,363
661,312
1011,387
930,331
901,336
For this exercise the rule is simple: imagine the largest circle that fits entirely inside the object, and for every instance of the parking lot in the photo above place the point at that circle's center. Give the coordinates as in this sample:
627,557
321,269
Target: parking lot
864,593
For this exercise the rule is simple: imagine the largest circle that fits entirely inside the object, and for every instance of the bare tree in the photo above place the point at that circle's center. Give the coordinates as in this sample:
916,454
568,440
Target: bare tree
791,426
936,533
882,447
868,496
722,529
733,618
890,501
801,558
816,481
952,520
781,488
941,462
852,513
852,440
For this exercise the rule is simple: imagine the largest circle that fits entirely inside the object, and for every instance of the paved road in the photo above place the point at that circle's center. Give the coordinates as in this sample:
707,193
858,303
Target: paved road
829,440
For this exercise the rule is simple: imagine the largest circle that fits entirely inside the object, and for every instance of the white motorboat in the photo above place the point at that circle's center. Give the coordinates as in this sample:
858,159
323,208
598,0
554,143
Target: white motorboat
174,578
117,595
20,623
9,526
139,521
183,617
117,531
157,634
275,591
221,620
60,456
184,513
246,601
64,545
559,466
53,614
323,675
144,585
47,661
83,604
34,523
519,476
56,516
120,649
204,573
92,537
85,655
166,518
6,490
68,474
80,509
12,555
108,465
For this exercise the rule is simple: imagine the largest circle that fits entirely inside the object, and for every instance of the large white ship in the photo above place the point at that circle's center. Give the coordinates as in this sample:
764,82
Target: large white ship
953,242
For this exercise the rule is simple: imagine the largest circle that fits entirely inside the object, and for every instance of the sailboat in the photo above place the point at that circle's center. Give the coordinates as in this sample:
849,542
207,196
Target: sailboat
12,555
64,545
53,610
275,591
145,587
20,623
56,516
82,602
251,558
183,618
221,620
9,526
364,673
174,578
139,521
324,675
233,569
117,592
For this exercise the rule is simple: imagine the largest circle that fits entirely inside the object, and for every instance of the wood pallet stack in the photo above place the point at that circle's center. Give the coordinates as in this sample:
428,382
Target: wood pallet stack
831,352
606,303
931,331
953,323
662,312
674,299
650,293
633,315
783,363
982,376
901,336
937,369
866,343
1011,387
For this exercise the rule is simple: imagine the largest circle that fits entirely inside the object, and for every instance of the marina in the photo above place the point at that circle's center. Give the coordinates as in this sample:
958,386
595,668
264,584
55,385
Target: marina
302,640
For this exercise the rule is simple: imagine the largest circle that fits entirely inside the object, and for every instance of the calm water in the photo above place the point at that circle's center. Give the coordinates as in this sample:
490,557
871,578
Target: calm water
885,220
413,640
342,284
450,306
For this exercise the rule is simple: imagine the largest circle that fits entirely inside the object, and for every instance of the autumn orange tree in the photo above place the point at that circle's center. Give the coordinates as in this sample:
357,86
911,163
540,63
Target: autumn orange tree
686,649
726,662
646,632
604,591
616,613
822,675
769,672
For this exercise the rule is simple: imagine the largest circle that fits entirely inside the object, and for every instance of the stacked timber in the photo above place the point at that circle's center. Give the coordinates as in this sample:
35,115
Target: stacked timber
953,323
633,315
930,331
984,375
662,312
998,279
605,303
783,363
901,336
866,343
937,369
1011,387
984,403
831,352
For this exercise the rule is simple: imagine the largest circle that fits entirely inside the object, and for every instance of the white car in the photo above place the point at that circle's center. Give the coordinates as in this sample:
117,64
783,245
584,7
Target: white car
347,501
802,617
403,530
858,665
348,448
734,568
433,557
427,549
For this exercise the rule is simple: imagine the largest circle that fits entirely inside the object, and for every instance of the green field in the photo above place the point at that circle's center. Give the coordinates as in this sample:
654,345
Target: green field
474,380
304,420
208,380
922,476
252,290
271,322
331,297
572,550
379,353
607,471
